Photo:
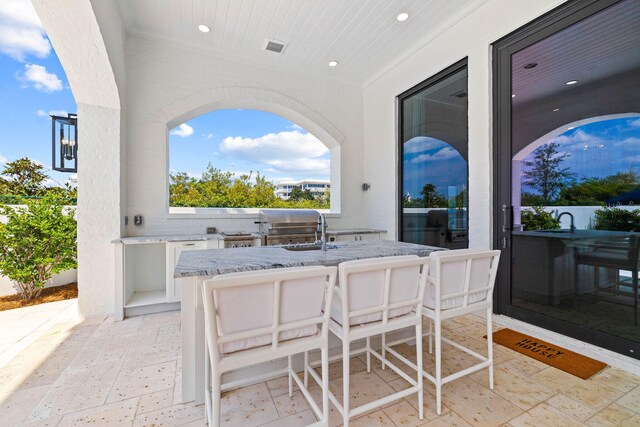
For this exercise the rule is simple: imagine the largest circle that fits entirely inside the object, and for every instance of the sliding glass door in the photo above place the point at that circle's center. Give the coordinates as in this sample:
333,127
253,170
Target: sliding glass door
433,167
568,177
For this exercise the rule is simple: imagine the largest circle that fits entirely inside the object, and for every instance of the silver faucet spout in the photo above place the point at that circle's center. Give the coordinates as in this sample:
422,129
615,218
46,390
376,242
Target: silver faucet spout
572,226
322,225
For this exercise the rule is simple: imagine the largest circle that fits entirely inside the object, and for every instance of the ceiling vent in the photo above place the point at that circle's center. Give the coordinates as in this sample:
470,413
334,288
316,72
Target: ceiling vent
274,46
461,94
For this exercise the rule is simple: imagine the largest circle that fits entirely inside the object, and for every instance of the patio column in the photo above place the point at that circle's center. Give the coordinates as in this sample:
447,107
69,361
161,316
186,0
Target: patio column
89,39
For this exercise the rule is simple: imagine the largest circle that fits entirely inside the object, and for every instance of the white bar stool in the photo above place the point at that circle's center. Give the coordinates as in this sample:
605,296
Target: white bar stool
460,282
376,296
259,316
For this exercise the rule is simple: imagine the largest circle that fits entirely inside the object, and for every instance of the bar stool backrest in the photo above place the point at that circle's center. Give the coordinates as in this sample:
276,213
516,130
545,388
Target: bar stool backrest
380,288
268,307
461,279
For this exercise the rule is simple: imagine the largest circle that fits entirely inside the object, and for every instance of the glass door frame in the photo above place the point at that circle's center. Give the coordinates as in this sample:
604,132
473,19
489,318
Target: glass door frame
546,25
442,75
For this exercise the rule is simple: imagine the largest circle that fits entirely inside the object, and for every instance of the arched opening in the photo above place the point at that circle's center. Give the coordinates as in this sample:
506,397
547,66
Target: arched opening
263,100
589,162
246,159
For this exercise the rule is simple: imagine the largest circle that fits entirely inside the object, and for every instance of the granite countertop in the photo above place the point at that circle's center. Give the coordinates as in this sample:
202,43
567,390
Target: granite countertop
173,238
340,232
566,234
213,262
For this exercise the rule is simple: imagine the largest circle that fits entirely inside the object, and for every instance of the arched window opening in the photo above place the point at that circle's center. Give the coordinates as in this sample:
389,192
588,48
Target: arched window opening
238,158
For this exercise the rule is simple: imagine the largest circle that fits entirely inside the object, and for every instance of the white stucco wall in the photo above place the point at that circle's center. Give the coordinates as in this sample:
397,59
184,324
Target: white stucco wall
471,37
168,84
88,37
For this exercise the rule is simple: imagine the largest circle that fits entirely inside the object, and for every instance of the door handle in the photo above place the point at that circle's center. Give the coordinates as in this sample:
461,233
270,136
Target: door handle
507,218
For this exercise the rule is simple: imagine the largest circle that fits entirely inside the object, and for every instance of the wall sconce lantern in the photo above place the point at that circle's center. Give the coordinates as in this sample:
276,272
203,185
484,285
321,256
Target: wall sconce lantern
64,140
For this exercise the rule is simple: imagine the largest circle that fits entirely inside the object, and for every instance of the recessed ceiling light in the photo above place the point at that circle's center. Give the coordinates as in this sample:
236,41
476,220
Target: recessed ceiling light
556,109
204,28
513,96
403,17
530,65
333,63
572,82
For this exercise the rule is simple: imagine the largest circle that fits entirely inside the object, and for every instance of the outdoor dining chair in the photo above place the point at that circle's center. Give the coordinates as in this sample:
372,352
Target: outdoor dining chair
377,296
260,316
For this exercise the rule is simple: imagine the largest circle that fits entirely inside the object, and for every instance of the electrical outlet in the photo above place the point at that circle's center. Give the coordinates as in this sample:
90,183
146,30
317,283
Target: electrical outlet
211,230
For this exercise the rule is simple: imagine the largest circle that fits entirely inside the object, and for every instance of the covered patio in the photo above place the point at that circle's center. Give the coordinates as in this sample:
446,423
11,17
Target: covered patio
140,68
96,371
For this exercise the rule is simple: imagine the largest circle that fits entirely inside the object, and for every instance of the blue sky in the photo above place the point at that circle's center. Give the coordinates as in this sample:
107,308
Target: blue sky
600,149
432,161
242,141
34,85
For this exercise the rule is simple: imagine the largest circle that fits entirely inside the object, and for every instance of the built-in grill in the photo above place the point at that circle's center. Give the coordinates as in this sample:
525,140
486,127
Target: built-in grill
237,240
288,226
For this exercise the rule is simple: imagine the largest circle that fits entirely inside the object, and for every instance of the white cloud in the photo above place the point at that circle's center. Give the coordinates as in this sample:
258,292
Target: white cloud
445,153
634,123
296,127
21,32
183,131
60,113
208,136
291,152
274,146
40,78
422,143
3,159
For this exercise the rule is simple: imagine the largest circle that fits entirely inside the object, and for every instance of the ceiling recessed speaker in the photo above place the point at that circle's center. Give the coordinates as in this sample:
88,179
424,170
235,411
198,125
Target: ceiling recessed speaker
274,46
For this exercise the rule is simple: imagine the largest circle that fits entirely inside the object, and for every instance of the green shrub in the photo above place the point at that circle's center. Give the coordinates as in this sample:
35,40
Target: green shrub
616,219
37,241
538,219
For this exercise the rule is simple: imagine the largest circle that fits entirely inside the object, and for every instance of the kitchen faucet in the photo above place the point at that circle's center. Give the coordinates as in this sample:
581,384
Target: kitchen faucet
572,226
322,227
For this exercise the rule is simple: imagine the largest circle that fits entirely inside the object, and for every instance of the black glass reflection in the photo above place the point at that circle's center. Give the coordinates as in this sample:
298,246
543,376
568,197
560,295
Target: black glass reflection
434,137
576,173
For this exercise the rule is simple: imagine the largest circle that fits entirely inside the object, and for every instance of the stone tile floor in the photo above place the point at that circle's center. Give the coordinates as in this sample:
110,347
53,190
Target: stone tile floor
100,372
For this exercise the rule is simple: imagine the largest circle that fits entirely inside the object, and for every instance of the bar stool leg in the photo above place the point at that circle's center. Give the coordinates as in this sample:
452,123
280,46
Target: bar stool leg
419,369
490,345
325,386
384,348
438,340
290,378
306,371
345,382
369,354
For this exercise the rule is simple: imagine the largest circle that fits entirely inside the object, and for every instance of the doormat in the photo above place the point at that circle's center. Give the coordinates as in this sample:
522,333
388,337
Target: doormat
558,357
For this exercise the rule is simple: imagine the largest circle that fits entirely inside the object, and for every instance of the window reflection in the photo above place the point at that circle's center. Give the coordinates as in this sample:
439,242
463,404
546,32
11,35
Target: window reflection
434,162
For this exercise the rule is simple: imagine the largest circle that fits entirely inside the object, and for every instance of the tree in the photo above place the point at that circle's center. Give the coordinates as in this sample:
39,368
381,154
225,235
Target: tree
23,177
219,189
595,191
545,173
298,194
37,241
431,198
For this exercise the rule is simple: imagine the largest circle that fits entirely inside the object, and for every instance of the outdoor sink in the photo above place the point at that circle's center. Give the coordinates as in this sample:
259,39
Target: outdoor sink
306,247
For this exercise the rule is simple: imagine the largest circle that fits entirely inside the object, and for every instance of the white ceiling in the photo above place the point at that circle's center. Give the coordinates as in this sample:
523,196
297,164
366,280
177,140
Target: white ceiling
364,36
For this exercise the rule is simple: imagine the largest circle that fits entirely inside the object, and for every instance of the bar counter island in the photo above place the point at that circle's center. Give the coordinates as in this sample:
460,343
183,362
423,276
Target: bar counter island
198,265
